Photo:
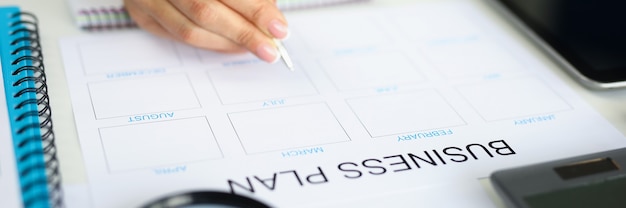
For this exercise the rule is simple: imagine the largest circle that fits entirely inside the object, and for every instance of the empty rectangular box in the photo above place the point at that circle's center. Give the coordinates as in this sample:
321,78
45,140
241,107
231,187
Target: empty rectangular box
357,31
452,42
212,57
422,25
358,71
142,95
386,115
287,128
257,82
506,99
470,56
132,52
157,144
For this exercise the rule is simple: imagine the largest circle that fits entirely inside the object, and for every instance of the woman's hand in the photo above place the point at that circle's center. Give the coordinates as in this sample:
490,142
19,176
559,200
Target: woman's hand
219,25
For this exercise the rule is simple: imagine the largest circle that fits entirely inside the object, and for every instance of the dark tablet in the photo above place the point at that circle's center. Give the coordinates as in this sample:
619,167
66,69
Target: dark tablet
588,37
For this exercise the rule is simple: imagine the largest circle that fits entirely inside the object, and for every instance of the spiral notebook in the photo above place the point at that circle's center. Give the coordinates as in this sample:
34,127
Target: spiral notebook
29,175
108,14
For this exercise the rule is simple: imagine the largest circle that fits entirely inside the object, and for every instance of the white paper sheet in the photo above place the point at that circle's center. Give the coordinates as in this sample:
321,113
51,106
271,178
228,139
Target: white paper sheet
400,106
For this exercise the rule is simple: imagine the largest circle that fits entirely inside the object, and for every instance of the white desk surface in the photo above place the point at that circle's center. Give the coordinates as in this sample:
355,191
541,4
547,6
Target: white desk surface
55,21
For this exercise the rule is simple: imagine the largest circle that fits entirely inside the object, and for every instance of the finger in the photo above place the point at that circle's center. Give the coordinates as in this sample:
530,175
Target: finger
184,30
144,20
264,14
220,19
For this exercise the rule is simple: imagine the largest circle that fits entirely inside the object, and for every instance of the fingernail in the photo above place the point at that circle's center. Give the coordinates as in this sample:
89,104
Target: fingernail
278,29
268,53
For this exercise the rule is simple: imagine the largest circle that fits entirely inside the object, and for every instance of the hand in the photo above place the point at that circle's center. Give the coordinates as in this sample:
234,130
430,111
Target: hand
219,25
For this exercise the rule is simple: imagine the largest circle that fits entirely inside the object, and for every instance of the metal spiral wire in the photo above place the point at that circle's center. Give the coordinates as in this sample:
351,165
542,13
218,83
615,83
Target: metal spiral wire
26,35
106,18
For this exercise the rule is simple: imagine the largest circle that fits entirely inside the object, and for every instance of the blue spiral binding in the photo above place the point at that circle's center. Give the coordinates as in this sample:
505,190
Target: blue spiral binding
29,109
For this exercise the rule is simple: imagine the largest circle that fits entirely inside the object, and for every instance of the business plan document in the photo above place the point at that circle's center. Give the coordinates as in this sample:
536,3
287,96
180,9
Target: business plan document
394,106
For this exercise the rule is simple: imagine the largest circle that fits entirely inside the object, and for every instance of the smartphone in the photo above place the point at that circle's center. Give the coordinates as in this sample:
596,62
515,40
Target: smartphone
586,37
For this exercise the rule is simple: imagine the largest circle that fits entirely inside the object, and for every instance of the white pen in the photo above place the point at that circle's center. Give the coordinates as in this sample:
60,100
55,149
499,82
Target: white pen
283,54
